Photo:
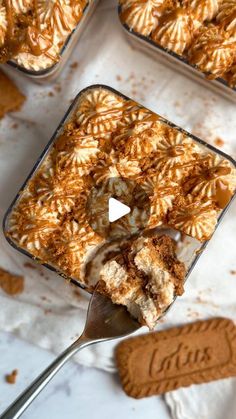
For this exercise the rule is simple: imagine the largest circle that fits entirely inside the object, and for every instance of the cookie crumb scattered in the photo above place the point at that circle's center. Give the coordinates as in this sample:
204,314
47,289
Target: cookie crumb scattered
11,99
29,265
118,78
74,65
11,284
77,293
11,378
219,142
15,125
50,94
233,272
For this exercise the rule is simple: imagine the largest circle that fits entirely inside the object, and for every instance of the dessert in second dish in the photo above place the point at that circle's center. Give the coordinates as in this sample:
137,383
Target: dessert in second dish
33,32
201,31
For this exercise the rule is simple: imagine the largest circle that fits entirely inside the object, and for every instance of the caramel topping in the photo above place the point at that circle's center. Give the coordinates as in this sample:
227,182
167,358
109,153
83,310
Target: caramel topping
107,137
37,27
203,31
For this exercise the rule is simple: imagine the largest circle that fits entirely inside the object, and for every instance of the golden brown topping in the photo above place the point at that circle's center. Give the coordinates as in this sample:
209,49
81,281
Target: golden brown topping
31,225
217,181
3,23
99,112
227,15
176,154
212,52
193,217
203,31
162,193
141,15
147,164
140,140
69,246
204,9
33,31
175,31
58,16
77,153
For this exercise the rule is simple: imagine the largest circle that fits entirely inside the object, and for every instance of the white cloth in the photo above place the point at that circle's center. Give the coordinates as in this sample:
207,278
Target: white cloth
105,56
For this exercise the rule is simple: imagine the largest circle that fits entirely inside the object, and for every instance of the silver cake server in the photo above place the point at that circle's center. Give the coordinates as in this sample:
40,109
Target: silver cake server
105,321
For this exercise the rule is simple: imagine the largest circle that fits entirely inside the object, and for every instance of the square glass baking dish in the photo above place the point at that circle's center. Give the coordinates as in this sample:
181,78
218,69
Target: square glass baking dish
176,62
188,249
51,73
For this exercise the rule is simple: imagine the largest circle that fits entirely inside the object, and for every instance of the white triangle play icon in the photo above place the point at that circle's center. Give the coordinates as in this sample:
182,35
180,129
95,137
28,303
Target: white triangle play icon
117,210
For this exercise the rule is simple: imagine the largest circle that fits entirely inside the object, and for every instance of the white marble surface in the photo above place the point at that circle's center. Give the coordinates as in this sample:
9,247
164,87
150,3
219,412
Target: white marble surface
76,392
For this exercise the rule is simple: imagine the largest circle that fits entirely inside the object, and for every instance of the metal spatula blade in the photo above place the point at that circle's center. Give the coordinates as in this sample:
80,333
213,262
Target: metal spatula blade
105,321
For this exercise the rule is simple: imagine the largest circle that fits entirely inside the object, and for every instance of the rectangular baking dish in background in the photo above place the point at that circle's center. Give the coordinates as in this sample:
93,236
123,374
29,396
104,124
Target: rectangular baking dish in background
176,62
190,249
49,74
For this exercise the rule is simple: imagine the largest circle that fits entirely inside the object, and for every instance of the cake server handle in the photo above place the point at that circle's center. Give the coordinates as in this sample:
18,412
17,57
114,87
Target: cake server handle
16,409
105,321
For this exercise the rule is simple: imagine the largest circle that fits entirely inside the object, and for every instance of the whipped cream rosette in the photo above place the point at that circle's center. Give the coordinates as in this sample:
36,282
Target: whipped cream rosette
59,16
227,15
213,51
161,192
77,152
3,23
21,6
204,10
194,217
141,139
175,30
133,113
100,112
217,181
70,245
142,16
176,154
32,225
58,192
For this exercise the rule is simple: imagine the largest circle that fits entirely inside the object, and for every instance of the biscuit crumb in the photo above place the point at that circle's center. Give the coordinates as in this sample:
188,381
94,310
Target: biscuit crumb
219,142
11,284
11,99
29,265
11,378
233,272
74,65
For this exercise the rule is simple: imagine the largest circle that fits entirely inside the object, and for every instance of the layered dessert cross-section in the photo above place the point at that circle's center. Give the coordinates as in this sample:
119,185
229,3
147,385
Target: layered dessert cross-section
145,276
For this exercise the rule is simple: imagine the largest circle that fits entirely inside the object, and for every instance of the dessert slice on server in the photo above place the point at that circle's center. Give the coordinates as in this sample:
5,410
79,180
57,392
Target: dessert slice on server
145,276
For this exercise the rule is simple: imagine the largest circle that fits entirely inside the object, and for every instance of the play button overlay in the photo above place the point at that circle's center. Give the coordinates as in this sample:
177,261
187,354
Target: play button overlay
118,208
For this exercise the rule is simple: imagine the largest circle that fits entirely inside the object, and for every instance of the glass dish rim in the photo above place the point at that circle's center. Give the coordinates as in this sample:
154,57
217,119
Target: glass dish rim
177,57
45,71
44,153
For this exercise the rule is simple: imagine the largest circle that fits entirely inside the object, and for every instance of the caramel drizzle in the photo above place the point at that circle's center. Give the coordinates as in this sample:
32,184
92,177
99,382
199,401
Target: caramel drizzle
24,33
